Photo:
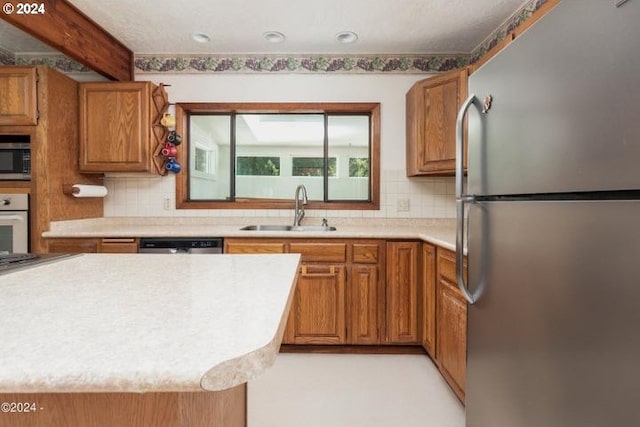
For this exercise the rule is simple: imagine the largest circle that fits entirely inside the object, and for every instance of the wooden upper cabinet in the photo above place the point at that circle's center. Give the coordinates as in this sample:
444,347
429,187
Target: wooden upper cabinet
431,110
119,127
18,103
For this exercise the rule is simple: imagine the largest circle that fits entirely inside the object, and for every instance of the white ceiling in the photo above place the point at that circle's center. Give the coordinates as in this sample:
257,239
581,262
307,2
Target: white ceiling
237,26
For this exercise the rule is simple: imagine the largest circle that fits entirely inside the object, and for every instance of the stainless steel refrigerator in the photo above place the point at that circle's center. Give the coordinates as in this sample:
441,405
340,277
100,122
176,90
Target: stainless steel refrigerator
550,214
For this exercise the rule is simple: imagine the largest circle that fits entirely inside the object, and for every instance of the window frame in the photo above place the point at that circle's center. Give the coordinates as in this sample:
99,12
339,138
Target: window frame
183,110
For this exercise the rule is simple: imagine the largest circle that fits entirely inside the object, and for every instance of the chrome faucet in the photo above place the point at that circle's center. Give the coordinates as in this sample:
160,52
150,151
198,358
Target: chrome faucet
298,212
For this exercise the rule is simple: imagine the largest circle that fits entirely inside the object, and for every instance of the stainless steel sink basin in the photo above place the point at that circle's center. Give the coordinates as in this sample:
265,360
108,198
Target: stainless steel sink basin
269,227
313,228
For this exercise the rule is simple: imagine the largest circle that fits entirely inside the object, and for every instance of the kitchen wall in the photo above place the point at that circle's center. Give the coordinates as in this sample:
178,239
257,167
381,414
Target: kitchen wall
427,197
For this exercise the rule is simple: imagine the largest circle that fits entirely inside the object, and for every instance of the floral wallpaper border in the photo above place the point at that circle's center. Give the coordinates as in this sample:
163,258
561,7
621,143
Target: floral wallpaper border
7,58
298,64
58,61
507,27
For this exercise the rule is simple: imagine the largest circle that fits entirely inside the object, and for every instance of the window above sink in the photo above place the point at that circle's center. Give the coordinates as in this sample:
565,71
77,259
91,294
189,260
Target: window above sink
247,156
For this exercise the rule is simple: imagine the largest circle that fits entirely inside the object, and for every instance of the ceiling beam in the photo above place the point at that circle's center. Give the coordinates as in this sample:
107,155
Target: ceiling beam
68,30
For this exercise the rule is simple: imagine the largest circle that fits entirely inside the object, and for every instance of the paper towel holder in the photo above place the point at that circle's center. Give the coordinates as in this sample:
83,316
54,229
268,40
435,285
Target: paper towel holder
71,190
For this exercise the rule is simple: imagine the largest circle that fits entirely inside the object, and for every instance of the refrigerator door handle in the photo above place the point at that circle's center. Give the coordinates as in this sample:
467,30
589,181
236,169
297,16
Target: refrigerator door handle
461,198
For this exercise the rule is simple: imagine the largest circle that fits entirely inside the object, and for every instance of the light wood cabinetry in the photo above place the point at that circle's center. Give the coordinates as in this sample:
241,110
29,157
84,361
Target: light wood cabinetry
365,294
451,329
54,148
318,311
429,298
318,314
19,106
251,247
120,127
402,292
93,245
431,108
339,297
119,246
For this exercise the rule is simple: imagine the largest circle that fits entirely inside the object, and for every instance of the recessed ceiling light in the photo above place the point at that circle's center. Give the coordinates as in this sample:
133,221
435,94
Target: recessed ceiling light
200,37
274,37
346,37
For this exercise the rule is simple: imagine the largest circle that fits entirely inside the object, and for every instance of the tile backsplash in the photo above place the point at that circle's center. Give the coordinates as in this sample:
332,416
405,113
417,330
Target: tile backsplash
401,197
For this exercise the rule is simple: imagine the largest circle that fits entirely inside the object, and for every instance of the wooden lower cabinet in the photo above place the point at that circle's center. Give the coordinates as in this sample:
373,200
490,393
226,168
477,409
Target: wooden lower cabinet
402,292
364,298
85,246
429,298
318,311
451,321
339,296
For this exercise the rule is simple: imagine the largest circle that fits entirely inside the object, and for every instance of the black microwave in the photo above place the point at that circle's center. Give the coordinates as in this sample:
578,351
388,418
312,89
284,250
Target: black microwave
15,157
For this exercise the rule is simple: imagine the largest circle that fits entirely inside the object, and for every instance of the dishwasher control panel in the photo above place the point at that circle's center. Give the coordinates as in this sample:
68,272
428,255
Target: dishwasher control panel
177,245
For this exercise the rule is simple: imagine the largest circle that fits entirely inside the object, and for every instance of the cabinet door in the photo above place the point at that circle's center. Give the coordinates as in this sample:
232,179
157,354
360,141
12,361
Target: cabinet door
363,299
451,324
115,127
431,109
318,312
451,350
19,104
429,298
402,292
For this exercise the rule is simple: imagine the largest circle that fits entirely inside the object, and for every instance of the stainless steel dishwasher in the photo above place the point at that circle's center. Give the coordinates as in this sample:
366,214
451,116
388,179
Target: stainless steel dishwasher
181,245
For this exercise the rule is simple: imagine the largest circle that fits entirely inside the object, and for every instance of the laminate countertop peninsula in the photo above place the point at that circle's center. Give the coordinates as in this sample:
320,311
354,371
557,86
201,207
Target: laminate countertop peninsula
141,323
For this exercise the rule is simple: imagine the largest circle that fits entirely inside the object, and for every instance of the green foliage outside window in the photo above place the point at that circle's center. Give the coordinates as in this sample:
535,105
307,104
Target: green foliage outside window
358,167
258,166
312,166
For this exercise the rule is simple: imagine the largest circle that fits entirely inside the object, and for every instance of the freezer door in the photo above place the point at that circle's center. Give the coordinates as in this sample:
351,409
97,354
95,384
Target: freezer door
565,112
554,337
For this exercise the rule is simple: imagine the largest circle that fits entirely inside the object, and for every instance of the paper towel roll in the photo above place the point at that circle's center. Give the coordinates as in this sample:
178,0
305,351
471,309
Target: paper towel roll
82,190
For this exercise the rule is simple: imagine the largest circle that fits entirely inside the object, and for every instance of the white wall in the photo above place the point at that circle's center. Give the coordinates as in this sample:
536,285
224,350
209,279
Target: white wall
429,197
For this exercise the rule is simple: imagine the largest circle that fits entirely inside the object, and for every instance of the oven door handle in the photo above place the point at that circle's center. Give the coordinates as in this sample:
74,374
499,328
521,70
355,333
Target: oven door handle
11,217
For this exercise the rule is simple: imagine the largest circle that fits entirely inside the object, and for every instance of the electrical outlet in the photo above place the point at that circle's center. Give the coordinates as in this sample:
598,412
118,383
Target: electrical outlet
166,202
403,205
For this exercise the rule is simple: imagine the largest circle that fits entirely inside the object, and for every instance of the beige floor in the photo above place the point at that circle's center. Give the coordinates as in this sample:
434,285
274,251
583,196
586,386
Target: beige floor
319,390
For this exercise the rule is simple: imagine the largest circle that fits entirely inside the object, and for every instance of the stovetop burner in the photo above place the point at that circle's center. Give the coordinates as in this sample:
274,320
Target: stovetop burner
11,262
16,258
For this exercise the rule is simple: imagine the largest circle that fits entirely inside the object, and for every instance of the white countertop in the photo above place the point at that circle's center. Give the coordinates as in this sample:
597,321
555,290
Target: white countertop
143,322
440,232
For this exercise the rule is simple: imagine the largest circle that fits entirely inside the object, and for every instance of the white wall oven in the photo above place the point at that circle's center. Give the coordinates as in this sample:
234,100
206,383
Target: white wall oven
14,223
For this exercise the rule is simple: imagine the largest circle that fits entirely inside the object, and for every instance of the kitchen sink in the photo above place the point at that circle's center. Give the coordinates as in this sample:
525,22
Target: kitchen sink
269,227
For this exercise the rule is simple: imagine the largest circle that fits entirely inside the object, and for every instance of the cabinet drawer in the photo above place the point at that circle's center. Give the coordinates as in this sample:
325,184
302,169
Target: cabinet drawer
447,265
366,253
254,248
327,252
119,246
